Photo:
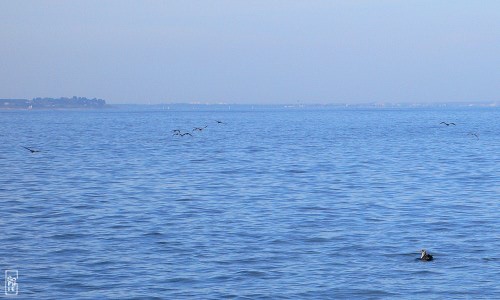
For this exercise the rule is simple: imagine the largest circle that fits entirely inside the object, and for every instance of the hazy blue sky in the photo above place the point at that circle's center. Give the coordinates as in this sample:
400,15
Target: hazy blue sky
251,51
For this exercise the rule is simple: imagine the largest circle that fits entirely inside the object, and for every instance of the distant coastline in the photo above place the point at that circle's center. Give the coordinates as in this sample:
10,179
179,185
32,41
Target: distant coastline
53,103
305,106
64,103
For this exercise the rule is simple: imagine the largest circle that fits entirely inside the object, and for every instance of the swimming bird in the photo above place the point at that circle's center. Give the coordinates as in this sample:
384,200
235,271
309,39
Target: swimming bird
474,134
425,256
31,150
200,128
448,124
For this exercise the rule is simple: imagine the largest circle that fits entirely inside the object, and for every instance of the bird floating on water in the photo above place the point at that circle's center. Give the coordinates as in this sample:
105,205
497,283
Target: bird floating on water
425,256
31,150
448,124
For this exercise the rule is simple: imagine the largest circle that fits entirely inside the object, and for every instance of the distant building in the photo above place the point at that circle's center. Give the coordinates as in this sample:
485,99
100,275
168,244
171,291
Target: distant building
52,103
14,103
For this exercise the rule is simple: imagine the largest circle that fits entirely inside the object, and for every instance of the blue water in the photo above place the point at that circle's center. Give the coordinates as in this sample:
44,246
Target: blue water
274,204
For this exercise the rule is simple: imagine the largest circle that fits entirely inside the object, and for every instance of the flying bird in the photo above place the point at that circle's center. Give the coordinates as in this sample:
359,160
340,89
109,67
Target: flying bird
199,128
178,132
31,150
448,124
425,256
219,122
474,134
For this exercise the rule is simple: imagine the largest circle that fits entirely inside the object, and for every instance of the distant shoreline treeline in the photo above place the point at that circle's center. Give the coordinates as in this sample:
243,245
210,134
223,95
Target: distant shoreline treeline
52,103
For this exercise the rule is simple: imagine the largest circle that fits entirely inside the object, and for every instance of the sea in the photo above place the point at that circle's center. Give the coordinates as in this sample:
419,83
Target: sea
269,203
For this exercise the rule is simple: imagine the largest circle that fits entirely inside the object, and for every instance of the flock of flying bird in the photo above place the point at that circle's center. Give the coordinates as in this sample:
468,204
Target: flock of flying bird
470,133
175,132
181,133
178,132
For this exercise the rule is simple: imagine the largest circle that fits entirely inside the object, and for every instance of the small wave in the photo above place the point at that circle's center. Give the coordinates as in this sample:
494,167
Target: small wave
316,240
280,242
313,208
426,272
198,160
181,280
252,273
184,200
70,251
491,259
153,234
220,278
120,226
68,236
83,206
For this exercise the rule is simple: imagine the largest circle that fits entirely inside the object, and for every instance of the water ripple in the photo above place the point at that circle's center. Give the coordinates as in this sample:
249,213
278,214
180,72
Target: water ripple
115,207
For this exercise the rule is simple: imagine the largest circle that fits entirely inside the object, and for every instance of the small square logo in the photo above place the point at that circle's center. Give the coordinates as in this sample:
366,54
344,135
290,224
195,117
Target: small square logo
11,285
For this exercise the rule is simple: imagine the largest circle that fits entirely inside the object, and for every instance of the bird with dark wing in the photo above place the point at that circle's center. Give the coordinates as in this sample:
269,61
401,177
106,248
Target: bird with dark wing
31,150
425,256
